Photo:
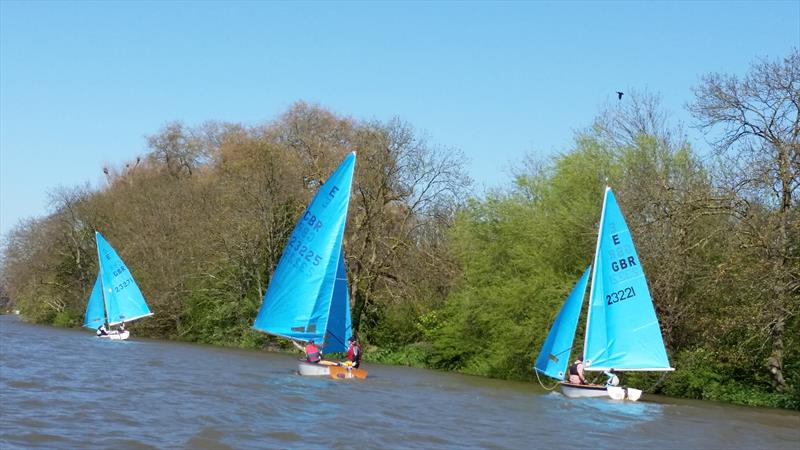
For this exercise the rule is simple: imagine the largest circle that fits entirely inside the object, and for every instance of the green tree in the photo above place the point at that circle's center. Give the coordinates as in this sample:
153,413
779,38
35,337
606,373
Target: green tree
754,123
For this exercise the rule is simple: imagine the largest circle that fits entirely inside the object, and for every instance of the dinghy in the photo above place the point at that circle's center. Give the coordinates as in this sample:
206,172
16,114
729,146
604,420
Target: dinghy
308,297
115,298
622,330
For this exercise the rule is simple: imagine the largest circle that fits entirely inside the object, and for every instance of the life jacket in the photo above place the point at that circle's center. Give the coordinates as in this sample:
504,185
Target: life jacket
573,369
312,353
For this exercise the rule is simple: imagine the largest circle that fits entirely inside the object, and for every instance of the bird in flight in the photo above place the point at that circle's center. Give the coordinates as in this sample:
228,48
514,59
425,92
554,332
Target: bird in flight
619,95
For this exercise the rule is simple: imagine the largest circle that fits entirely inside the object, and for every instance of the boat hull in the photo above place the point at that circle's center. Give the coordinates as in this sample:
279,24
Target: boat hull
583,390
598,391
347,372
313,370
116,335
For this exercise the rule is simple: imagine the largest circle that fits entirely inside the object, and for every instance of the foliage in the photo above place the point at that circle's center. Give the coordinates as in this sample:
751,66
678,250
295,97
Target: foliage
702,376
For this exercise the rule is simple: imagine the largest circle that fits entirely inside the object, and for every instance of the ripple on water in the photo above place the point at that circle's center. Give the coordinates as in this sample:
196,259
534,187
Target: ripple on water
20,384
43,440
32,423
208,437
131,444
285,436
154,363
33,403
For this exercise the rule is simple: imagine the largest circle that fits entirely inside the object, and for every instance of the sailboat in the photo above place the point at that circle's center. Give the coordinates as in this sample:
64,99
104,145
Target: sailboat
622,330
115,298
308,297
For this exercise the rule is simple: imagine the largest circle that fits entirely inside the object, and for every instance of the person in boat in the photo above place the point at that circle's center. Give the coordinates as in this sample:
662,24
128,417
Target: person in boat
613,379
576,372
101,330
313,353
354,352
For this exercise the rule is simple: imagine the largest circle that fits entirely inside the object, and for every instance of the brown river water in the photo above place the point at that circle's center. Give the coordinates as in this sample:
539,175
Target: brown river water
65,389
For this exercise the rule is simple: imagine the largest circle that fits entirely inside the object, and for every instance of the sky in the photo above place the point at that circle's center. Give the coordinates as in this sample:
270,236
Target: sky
83,83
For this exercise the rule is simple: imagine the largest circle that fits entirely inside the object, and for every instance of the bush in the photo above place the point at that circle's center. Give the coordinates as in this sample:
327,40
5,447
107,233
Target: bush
413,355
699,375
67,318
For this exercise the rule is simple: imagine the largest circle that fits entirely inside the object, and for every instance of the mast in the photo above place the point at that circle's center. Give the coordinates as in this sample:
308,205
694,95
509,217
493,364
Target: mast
594,272
100,275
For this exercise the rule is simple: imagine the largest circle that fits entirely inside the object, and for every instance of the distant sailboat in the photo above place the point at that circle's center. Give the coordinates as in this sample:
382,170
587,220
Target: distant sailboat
308,297
115,298
622,330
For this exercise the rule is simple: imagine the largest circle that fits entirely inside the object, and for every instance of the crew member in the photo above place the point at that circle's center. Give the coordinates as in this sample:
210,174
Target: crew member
576,372
354,352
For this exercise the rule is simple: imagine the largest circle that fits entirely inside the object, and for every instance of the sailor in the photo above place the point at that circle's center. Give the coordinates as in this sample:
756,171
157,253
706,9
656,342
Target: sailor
354,352
576,372
613,379
101,330
313,354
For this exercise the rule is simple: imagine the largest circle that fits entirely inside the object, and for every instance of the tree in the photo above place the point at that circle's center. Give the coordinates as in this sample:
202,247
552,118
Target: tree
754,125
404,194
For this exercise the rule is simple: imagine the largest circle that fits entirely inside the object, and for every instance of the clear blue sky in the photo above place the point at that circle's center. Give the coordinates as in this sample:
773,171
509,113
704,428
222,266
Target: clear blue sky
83,83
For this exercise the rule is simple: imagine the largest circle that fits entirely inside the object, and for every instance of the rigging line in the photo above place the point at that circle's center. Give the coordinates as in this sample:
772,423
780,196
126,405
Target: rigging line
336,338
542,384
660,380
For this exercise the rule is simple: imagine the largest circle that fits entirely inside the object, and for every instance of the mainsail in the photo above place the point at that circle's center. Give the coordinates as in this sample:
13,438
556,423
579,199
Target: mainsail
622,331
554,355
308,297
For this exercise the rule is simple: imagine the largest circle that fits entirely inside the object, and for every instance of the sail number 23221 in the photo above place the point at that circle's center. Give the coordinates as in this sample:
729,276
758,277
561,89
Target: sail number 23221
122,285
620,295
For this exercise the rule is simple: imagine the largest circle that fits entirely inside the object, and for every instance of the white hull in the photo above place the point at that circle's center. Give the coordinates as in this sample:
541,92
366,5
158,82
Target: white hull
313,370
591,391
116,335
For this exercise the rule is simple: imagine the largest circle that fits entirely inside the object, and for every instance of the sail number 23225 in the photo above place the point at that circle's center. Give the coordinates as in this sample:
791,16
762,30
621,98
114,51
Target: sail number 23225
620,295
304,251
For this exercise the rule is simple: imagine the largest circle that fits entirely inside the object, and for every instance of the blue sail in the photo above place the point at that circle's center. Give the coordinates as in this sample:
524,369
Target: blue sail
622,331
554,355
124,300
339,327
95,309
297,304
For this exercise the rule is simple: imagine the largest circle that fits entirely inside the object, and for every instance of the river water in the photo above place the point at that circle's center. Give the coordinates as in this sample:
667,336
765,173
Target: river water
66,389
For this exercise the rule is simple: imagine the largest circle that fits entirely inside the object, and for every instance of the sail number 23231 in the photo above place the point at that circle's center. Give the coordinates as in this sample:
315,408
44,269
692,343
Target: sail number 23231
620,295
